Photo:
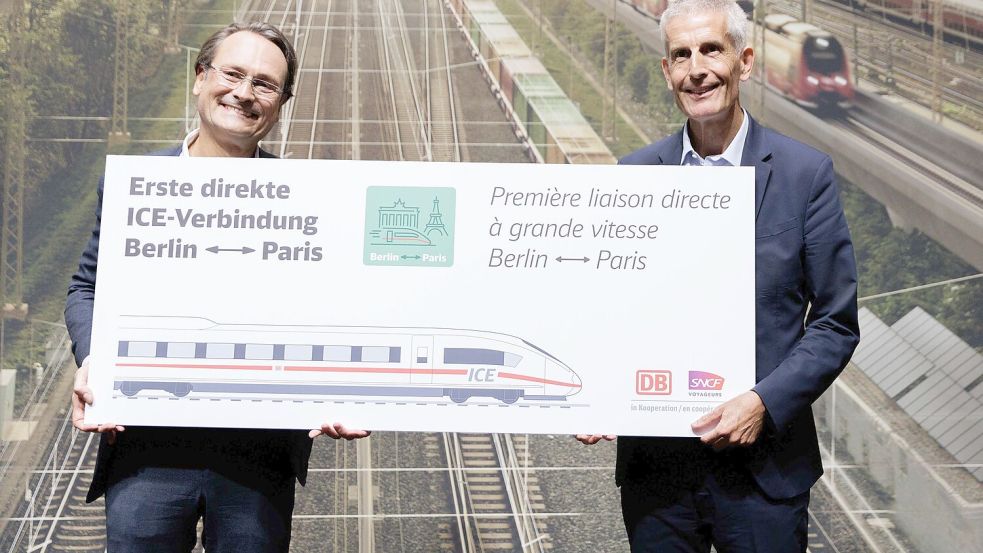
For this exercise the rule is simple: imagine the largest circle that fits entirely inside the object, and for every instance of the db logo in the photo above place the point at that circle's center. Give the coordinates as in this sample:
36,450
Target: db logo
699,380
653,383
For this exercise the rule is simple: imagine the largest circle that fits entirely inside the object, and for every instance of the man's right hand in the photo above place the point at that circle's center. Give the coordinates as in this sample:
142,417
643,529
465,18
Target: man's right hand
82,396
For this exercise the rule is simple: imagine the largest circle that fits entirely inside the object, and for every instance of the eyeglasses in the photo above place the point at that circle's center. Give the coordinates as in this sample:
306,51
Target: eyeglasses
233,78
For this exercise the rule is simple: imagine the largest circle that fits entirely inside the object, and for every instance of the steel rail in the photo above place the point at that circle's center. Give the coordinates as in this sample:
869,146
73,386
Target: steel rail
530,540
408,77
352,87
287,111
71,483
462,518
386,58
458,153
320,76
441,122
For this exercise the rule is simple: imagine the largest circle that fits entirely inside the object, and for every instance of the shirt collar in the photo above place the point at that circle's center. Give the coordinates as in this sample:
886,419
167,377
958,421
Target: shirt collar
190,139
732,155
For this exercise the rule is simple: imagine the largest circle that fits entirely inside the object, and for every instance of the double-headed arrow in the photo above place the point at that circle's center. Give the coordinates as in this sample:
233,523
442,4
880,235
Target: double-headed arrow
243,250
410,257
581,259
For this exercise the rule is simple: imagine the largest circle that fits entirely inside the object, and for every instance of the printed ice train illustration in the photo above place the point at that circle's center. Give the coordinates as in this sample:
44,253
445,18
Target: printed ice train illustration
315,362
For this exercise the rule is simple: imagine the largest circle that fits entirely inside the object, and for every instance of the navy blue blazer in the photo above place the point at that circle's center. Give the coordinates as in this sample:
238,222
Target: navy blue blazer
284,452
805,316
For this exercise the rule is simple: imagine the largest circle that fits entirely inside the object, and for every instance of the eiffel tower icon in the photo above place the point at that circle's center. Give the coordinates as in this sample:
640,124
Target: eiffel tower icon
436,222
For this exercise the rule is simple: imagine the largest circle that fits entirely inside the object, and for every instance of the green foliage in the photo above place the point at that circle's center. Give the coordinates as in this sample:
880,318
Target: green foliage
891,259
581,30
637,68
68,69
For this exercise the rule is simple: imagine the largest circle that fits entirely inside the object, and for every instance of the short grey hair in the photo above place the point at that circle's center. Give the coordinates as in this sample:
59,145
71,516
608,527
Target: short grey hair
265,30
737,23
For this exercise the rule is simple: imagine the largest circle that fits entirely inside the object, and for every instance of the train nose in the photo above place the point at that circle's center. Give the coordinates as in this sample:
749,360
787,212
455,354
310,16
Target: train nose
560,380
576,381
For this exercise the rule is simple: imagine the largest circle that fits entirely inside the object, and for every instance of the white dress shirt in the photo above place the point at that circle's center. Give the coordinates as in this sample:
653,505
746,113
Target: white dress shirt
190,139
730,156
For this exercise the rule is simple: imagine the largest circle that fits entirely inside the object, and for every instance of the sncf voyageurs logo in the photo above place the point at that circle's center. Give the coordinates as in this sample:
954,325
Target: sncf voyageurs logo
699,380
653,383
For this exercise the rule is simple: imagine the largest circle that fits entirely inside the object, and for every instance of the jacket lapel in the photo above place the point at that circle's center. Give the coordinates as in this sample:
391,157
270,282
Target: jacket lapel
672,153
757,154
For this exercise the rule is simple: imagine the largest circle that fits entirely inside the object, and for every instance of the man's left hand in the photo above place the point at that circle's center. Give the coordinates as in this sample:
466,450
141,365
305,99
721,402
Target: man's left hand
338,431
737,422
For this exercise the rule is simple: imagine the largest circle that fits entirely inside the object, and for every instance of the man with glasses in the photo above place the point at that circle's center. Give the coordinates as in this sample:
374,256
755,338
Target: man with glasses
160,481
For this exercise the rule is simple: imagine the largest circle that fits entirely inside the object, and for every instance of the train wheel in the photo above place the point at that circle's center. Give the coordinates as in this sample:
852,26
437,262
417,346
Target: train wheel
459,396
509,396
181,390
130,389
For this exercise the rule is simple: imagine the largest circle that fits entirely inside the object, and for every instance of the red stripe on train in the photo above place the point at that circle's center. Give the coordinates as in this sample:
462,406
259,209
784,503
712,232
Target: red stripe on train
539,380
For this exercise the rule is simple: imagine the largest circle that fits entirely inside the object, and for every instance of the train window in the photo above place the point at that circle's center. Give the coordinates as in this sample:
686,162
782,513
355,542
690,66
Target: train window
259,351
142,349
512,360
473,356
375,354
338,353
181,350
823,55
220,351
422,354
292,352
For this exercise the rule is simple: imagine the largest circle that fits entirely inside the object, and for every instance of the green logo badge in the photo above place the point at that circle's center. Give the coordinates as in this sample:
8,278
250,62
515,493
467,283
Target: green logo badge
409,226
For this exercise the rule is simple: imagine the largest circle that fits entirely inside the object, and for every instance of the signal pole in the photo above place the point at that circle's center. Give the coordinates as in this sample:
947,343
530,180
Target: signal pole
609,116
12,304
614,83
119,134
938,60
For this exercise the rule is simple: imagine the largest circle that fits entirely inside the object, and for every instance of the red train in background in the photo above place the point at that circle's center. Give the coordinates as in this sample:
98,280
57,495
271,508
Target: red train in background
802,61
962,19
806,63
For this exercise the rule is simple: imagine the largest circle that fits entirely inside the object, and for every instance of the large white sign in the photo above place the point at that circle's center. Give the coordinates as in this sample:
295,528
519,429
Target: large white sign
274,293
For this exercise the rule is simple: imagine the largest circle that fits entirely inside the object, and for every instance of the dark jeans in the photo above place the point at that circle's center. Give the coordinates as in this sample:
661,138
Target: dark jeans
156,510
723,508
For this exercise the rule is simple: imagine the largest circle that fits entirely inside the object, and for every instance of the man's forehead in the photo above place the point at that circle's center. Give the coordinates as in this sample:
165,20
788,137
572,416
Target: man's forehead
699,28
252,51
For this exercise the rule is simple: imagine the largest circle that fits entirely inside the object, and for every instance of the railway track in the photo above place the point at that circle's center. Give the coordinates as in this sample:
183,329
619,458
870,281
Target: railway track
494,501
389,87
56,518
393,71
952,178
377,80
442,129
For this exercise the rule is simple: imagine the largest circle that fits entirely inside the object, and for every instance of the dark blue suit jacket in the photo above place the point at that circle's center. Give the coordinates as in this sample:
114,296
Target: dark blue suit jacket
805,317
274,453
